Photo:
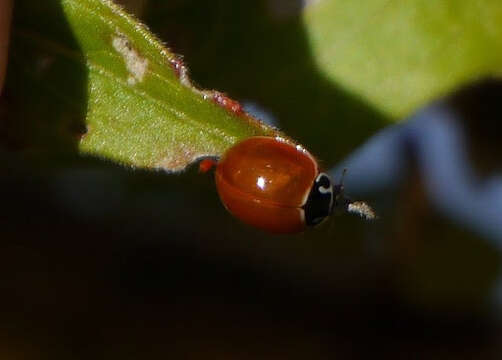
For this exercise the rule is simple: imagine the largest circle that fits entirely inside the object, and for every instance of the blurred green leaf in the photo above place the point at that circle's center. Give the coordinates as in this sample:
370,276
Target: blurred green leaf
141,108
397,55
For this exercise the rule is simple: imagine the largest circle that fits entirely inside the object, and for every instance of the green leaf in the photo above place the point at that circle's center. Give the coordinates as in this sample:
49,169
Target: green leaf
398,55
130,96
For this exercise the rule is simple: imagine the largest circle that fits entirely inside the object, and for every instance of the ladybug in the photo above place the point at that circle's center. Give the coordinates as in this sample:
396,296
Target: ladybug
273,185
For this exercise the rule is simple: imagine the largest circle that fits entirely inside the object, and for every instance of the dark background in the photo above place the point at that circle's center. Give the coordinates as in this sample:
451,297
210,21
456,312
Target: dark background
98,261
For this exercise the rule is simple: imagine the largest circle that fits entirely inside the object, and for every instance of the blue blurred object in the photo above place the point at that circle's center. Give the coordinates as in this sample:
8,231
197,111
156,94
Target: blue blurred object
435,143
379,164
433,138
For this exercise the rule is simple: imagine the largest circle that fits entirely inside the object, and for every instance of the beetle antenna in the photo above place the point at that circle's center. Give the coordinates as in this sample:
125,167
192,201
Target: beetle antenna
344,171
340,202
338,188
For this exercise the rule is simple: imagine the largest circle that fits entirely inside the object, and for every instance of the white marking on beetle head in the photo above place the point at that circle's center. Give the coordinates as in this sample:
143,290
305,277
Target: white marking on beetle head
326,190
136,65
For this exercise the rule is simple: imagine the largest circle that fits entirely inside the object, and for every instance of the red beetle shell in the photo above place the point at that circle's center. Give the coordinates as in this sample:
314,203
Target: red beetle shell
265,181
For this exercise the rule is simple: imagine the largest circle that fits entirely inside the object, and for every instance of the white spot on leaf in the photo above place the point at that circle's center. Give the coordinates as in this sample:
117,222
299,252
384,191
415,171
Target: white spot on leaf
135,64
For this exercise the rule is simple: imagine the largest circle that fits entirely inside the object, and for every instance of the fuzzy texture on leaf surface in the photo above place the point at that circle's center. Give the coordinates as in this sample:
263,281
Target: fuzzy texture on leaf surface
120,93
